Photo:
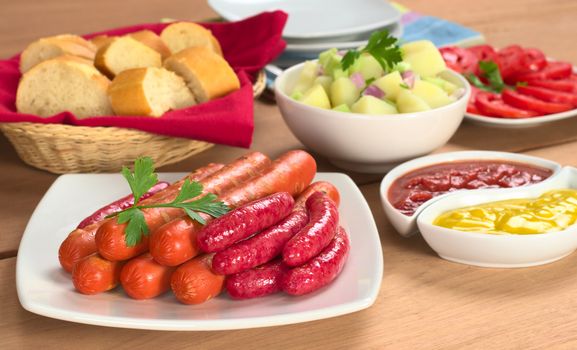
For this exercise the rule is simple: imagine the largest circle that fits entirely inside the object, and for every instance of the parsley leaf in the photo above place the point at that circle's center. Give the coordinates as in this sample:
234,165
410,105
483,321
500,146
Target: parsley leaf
349,58
188,190
136,225
142,180
490,70
143,177
382,46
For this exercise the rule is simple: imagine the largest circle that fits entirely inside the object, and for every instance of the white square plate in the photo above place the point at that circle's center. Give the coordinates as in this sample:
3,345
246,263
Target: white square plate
46,289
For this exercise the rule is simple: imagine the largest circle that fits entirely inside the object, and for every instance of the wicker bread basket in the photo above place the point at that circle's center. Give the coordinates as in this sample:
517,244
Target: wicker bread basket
60,148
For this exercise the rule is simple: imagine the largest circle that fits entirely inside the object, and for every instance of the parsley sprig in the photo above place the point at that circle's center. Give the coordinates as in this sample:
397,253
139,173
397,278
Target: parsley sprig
141,180
382,46
490,71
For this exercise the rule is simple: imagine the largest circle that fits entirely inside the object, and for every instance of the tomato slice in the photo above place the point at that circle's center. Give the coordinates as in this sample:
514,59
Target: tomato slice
471,107
484,52
548,95
492,105
532,104
553,70
566,85
510,59
459,59
534,60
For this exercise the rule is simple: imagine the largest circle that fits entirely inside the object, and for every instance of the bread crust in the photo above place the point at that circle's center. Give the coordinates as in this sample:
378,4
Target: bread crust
127,95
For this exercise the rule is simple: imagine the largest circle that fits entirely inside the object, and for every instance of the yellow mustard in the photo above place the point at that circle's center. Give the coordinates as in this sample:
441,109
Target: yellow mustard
552,211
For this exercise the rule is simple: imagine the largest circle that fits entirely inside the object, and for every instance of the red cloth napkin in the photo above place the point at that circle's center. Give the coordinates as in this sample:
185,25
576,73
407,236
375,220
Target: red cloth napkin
247,45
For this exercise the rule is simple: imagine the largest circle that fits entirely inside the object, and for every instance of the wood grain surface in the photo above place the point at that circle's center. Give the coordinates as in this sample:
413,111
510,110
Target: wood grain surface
424,302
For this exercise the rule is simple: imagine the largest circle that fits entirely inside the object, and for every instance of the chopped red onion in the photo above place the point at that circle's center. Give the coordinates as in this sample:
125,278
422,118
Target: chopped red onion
373,90
320,70
342,52
358,80
409,78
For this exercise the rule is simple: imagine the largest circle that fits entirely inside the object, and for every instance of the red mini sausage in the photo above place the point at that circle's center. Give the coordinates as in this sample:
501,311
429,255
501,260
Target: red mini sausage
257,282
94,274
144,278
316,235
319,186
321,270
261,248
244,221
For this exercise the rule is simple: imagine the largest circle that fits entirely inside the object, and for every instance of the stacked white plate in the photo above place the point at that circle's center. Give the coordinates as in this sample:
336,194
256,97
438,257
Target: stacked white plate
317,25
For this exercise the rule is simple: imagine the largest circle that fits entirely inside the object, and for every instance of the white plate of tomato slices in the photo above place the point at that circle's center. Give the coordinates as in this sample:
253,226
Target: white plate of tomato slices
535,89
45,288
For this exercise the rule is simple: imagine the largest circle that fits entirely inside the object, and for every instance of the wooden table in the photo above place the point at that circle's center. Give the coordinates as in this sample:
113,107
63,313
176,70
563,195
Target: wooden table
424,302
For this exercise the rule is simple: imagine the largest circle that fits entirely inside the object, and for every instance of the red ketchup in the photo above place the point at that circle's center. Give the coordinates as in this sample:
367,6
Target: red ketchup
410,191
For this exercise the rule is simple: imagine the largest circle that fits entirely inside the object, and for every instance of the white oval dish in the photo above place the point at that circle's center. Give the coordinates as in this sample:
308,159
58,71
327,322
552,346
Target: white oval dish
407,225
317,19
369,143
503,251
519,123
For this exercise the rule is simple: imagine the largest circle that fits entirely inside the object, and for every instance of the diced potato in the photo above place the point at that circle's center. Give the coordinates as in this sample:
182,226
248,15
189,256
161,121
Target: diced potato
407,102
390,84
342,108
424,58
316,96
307,76
443,84
372,105
325,81
433,95
339,73
330,61
368,66
343,91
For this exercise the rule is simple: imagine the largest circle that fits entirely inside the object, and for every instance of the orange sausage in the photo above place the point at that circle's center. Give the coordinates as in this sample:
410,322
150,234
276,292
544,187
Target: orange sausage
194,282
292,172
93,274
175,242
110,237
144,278
81,242
319,186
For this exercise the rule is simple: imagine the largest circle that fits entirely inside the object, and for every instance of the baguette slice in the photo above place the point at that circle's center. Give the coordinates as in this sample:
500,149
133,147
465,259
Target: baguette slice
65,83
206,73
51,47
148,91
125,53
152,40
181,35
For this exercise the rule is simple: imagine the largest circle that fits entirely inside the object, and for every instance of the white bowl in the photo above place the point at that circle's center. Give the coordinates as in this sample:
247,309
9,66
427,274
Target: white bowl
488,250
407,225
369,143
